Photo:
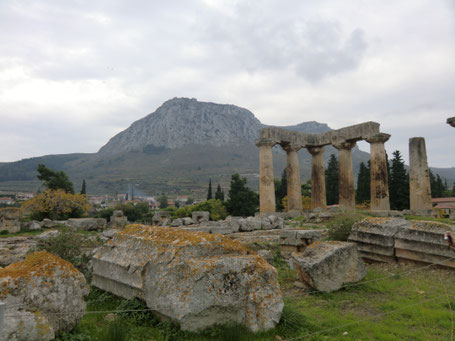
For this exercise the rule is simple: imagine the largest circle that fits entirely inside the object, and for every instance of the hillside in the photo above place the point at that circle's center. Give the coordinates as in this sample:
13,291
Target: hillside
174,150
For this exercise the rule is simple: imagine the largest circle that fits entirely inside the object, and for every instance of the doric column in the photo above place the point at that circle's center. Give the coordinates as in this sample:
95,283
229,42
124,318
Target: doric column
379,188
419,176
294,186
266,177
318,197
346,187
451,121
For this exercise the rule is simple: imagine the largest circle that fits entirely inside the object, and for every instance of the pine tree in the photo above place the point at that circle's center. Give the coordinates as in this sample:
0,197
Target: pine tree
242,201
399,183
54,179
281,190
219,194
83,190
331,180
209,193
363,184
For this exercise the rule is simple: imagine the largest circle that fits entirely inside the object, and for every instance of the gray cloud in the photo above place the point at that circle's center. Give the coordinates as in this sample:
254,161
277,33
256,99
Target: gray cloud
73,74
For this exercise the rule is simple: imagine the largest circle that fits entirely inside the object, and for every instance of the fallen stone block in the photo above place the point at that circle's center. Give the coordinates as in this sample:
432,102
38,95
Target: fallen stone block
161,218
87,224
195,279
327,266
177,222
200,216
187,221
43,295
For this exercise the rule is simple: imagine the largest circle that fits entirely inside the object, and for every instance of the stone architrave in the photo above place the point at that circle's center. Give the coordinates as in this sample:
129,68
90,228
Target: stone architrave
346,187
379,199
451,121
294,187
318,195
419,176
266,176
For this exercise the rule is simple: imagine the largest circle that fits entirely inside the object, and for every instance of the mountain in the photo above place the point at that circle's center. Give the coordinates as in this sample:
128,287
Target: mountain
182,121
174,150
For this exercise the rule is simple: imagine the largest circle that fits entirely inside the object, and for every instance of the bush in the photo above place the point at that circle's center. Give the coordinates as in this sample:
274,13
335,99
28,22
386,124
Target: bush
105,213
340,227
72,247
56,205
214,206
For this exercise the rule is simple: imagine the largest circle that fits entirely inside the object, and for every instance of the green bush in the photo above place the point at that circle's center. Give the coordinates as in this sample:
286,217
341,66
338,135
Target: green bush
115,331
105,213
340,227
214,206
72,247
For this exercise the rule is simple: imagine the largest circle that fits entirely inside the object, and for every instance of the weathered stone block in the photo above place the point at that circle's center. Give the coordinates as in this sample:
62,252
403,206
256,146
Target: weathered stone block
327,266
195,279
38,292
87,223
200,216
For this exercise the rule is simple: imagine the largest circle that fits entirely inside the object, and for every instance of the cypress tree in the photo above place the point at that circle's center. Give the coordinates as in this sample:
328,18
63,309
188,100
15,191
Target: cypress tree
83,190
363,184
219,194
399,183
209,193
242,201
331,181
281,190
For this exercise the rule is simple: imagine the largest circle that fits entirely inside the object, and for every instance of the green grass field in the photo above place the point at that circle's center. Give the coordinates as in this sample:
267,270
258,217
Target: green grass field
394,302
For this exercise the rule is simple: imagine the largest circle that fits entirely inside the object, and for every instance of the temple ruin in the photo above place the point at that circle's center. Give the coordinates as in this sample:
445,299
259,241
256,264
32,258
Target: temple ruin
343,140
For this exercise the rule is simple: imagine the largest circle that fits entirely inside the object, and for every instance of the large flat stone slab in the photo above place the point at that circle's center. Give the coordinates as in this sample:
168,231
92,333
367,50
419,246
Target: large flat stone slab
196,279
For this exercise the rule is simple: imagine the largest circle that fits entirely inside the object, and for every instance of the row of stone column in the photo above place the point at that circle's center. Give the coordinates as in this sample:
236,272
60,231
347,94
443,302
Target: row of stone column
378,166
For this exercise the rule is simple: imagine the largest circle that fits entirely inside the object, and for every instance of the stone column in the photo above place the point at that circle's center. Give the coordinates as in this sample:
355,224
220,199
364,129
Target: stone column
346,187
266,176
318,197
294,186
379,199
419,176
451,121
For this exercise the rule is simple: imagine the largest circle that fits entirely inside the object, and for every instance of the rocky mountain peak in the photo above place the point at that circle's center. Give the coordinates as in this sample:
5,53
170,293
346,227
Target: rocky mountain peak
182,121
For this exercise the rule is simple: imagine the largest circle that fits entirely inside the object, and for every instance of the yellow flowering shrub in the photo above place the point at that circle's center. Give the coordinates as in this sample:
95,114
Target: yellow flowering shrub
56,205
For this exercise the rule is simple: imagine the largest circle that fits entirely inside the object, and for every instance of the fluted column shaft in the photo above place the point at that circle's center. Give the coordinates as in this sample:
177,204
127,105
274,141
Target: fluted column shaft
318,195
379,199
346,187
419,176
266,176
294,187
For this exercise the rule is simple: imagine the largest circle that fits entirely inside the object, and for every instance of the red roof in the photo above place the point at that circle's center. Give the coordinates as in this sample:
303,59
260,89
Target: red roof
445,206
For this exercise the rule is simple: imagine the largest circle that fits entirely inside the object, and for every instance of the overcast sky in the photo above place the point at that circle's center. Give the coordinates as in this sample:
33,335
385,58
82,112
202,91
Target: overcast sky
75,73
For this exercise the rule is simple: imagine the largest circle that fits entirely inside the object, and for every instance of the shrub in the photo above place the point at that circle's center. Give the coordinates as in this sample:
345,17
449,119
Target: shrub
72,247
56,205
340,227
214,206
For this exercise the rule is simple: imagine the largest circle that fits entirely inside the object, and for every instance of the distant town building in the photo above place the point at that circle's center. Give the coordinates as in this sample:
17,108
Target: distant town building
7,201
24,196
445,206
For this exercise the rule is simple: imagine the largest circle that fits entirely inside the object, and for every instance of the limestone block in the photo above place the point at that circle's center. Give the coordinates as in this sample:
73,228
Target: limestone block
327,266
14,249
31,225
87,224
177,222
300,237
267,255
161,218
187,221
195,279
200,216
37,293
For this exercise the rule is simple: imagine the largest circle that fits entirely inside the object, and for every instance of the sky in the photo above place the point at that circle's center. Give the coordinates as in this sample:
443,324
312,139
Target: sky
75,73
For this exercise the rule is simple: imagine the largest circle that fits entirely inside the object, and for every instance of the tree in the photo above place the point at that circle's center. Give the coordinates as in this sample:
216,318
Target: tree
189,201
219,194
209,193
281,190
54,179
242,201
399,183
163,201
331,181
438,188
56,205
83,190
363,184
306,189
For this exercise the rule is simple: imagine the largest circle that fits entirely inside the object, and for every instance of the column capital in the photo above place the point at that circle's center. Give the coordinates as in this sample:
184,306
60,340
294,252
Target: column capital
265,142
291,147
347,145
315,150
378,138
451,121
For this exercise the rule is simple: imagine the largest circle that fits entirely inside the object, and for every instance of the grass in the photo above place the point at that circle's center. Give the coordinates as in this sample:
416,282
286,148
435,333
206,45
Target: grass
401,307
439,220
22,233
